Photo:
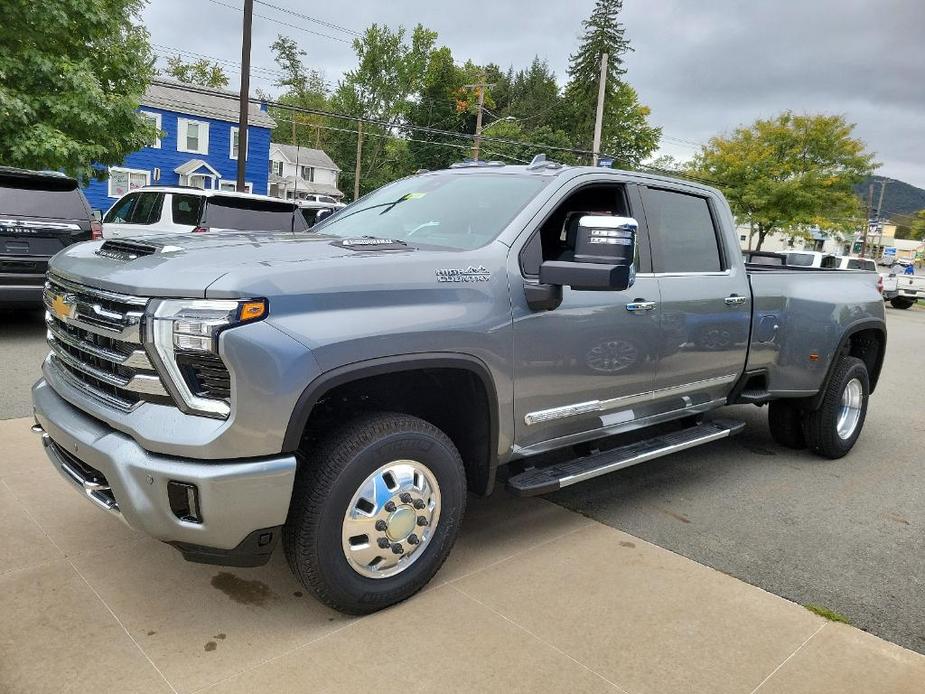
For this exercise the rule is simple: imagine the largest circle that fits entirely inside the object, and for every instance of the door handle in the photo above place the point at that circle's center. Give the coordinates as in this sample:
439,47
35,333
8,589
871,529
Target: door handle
735,300
639,306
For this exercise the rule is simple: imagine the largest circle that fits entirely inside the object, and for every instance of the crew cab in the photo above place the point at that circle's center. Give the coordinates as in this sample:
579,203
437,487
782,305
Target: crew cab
902,290
343,389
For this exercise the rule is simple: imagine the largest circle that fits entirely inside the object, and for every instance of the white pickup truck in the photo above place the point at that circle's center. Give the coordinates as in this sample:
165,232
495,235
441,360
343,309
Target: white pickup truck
901,290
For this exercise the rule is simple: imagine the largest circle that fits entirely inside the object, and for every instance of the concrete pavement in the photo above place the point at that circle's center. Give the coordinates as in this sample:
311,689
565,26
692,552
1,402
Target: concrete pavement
533,598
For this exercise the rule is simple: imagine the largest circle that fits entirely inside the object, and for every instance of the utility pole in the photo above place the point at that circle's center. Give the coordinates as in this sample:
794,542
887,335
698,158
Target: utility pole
356,175
481,86
870,204
245,91
599,117
880,202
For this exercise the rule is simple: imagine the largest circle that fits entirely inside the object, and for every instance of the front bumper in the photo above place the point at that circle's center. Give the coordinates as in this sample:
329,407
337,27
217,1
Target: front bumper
236,497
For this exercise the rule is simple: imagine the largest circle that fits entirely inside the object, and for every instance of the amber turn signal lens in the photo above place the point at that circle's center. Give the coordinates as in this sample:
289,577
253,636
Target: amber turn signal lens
253,310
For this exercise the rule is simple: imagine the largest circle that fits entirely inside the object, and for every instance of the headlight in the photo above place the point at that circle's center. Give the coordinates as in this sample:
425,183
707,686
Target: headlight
184,334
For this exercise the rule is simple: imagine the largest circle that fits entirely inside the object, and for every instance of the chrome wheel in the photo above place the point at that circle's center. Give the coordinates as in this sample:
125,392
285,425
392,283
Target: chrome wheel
849,413
391,519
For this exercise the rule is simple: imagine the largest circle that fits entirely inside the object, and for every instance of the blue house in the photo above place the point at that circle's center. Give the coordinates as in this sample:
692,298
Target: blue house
198,146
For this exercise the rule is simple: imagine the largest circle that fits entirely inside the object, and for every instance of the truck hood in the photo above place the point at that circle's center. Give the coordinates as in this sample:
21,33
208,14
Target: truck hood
269,264
187,265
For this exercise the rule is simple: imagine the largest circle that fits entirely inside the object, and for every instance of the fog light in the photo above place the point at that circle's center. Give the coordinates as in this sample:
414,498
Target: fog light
184,501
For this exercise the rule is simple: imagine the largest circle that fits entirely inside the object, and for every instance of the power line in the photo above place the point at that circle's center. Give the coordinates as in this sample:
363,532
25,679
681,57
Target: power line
285,24
322,22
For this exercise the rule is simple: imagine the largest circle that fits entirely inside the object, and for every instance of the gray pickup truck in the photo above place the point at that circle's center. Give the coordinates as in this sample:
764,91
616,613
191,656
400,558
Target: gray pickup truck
343,389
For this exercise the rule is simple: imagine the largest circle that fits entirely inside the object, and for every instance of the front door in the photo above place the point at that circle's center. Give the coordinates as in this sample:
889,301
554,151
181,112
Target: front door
587,365
705,300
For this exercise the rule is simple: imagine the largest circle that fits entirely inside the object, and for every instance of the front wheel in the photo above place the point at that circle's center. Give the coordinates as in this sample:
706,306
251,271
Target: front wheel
832,430
375,511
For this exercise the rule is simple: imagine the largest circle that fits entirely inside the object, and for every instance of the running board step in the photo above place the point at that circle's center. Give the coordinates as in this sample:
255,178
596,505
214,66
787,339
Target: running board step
548,479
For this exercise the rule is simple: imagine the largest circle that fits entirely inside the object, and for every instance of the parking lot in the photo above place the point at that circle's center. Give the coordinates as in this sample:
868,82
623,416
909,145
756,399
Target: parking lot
845,535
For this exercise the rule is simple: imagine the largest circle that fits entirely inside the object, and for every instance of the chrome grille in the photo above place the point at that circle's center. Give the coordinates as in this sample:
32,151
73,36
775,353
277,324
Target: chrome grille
96,343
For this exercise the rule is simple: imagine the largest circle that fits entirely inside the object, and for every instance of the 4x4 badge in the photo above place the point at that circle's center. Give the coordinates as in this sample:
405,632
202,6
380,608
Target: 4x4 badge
469,274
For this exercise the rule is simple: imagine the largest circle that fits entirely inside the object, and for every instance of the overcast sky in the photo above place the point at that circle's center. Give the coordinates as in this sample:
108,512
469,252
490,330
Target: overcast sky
703,68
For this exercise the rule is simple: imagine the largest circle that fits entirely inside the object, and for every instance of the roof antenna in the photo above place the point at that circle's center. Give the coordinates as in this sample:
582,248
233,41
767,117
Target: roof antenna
538,162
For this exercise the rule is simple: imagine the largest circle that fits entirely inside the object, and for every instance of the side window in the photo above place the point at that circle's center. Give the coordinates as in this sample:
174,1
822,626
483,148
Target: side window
683,232
121,212
148,208
185,209
830,261
555,239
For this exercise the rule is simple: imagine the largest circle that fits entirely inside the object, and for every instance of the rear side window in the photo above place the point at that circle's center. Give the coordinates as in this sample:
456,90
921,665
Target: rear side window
309,214
858,264
186,209
41,197
121,212
246,214
800,259
830,261
684,232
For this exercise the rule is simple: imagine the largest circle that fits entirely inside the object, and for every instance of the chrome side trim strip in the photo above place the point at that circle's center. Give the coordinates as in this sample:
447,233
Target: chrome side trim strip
719,273
590,406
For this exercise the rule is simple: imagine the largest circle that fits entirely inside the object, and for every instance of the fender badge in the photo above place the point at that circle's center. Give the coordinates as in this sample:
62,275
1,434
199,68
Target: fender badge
469,274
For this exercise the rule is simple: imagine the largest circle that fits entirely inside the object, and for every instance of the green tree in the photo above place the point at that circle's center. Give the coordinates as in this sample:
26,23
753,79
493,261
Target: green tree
72,74
917,226
201,73
383,87
303,88
626,133
436,107
787,171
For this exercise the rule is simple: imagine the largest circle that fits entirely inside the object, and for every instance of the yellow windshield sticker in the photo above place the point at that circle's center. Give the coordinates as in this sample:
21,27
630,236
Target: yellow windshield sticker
414,196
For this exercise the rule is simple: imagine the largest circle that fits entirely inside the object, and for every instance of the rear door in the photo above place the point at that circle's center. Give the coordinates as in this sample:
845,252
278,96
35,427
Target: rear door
704,298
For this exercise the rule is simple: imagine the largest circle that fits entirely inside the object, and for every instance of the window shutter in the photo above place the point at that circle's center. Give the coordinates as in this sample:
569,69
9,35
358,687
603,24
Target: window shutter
181,134
203,138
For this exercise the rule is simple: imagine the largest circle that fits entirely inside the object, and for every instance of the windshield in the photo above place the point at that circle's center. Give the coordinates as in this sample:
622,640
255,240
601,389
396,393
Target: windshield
459,211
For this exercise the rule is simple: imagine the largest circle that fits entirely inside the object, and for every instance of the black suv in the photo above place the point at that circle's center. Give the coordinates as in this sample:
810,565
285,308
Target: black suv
41,212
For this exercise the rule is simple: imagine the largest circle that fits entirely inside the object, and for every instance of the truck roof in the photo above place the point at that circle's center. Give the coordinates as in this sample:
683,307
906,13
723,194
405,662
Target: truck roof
551,169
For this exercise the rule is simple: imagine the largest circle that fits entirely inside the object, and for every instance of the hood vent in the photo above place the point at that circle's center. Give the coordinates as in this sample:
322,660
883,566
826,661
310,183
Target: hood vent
124,250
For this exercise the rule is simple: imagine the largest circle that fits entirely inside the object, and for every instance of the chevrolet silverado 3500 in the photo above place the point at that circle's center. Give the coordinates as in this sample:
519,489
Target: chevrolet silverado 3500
342,390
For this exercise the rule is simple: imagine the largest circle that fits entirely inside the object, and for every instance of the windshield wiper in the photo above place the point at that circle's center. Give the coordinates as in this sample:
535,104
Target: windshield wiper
389,205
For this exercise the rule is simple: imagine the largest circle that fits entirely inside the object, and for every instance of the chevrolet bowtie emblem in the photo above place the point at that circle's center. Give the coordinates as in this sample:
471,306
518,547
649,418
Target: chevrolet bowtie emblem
64,306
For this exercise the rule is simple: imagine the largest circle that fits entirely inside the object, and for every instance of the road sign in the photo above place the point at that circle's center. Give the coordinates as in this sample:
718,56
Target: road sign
889,250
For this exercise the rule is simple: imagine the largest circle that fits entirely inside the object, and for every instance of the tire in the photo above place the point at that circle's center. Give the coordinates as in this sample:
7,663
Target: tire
329,503
902,302
785,421
821,427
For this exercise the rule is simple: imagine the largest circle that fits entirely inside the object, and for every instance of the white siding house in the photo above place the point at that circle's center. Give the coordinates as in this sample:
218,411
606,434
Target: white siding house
297,172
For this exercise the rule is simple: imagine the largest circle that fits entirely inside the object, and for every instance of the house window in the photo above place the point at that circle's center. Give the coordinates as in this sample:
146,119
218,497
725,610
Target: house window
192,136
308,173
121,181
276,167
234,144
155,120
232,186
